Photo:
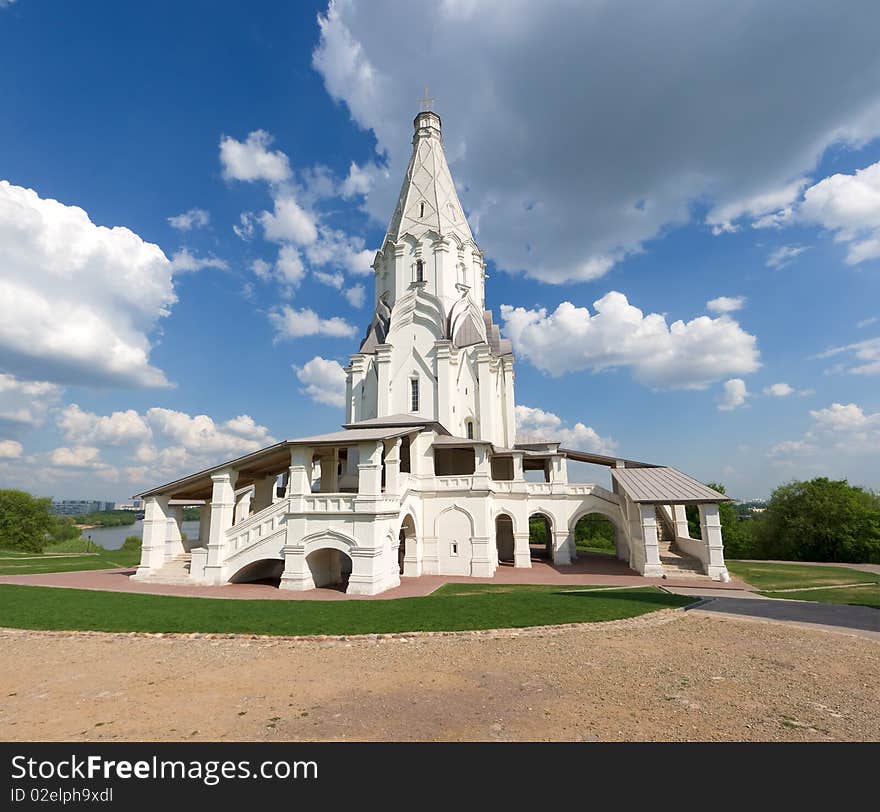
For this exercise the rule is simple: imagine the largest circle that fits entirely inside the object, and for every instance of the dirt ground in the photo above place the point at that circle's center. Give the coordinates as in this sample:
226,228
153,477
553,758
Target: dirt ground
668,676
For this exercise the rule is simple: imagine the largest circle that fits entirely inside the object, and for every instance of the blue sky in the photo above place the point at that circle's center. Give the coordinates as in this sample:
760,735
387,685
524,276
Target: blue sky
672,158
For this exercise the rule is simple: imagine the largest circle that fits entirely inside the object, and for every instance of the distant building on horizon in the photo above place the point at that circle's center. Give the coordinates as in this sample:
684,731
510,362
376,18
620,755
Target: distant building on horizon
78,507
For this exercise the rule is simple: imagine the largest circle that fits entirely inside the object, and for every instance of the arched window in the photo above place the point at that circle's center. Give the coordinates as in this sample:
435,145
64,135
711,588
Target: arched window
469,428
420,271
414,394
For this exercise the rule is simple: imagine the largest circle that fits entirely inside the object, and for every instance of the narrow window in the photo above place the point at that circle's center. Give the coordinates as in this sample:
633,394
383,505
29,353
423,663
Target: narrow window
470,429
454,548
420,271
414,393
421,209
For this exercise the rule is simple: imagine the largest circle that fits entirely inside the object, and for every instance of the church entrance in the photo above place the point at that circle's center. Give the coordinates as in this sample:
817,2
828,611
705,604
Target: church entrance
504,539
330,568
407,540
541,536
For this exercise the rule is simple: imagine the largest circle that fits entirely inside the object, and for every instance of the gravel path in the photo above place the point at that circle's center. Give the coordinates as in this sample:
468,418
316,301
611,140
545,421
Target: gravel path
667,676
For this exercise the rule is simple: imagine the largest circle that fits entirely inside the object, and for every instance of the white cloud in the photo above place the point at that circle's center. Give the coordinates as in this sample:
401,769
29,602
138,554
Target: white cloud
867,322
87,428
840,433
25,403
252,160
80,456
866,355
323,381
337,249
537,425
291,323
10,449
563,187
289,222
779,390
183,262
734,395
845,418
289,267
355,295
359,180
203,436
789,448
262,269
333,280
244,230
784,255
683,355
77,301
194,218
726,304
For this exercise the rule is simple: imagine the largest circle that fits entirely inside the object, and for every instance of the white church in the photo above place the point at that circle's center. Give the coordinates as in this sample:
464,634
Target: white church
427,475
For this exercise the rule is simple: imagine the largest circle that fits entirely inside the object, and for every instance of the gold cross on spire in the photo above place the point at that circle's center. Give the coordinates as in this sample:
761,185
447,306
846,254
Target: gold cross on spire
426,102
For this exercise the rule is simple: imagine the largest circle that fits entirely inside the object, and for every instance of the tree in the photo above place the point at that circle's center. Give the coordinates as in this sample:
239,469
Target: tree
820,520
24,521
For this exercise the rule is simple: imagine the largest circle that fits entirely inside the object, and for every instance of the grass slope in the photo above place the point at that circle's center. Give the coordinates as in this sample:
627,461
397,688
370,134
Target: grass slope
865,595
34,563
452,607
769,577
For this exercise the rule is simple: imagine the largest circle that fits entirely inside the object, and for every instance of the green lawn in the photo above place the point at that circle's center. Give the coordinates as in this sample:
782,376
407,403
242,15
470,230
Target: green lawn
452,607
865,595
34,563
769,577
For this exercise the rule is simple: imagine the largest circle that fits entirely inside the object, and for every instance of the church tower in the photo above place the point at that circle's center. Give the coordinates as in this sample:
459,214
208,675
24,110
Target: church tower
432,350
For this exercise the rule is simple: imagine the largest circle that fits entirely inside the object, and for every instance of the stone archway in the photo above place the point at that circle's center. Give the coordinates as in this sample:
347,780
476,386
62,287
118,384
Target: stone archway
600,532
541,536
407,543
504,539
263,571
329,567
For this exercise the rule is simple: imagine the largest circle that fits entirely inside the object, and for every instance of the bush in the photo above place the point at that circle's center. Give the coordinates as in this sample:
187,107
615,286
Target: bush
24,521
131,543
78,545
820,520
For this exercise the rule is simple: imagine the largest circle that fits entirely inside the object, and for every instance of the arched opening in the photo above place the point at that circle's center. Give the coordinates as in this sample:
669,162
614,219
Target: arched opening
407,539
504,539
329,568
265,571
541,536
595,534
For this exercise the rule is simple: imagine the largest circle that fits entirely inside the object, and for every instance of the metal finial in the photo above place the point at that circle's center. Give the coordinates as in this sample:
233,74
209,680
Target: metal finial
426,102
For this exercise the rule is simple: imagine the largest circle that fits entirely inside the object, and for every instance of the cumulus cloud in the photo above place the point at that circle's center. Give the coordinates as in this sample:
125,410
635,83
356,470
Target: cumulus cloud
779,390
784,255
337,249
245,228
194,218
289,268
202,435
356,295
24,404
734,395
292,323
333,280
77,300
726,304
252,159
536,425
80,456
865,357
323,381
681,355
562,186
10,449
359,180
839,431
184,262
81,427
289,222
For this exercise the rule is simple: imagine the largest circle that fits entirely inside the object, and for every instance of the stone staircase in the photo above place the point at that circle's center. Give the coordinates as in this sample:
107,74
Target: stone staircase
173,571
675,564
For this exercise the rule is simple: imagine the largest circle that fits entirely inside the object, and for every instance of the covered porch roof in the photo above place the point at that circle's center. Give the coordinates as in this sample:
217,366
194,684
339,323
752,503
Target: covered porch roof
664,486
273,459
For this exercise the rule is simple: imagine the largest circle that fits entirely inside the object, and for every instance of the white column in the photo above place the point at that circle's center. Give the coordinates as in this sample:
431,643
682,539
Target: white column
680,522
264,493
383,378
522,555
242,506
509,414
296,576
204,523
222,514
392,466
561,552
488,401
154,535
648,521
442,355
330,471
173,538
710,529
366,576
370,469
299,481
518,475
482,468
558,469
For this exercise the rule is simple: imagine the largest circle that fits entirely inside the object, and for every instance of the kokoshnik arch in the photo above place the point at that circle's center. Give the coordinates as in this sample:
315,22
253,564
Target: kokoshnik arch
426,476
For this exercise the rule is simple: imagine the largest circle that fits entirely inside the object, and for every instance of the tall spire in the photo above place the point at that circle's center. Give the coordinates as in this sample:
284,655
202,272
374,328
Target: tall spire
428,200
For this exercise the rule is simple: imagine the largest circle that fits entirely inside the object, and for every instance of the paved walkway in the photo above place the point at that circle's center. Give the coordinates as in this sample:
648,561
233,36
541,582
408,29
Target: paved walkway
859,620
588,570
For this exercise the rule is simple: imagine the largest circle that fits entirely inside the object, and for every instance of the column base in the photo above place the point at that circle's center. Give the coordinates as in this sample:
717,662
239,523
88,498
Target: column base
653,571
562,557
297,583
482,569
522,560
364,587
718,573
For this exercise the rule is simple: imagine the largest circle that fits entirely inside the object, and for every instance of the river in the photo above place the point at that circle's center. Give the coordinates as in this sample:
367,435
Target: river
111,538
